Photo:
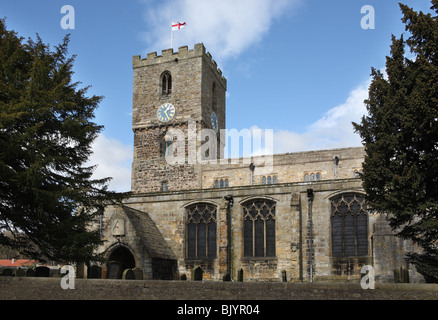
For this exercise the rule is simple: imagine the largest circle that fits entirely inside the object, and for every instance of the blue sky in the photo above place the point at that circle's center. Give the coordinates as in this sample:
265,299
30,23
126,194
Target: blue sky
299,67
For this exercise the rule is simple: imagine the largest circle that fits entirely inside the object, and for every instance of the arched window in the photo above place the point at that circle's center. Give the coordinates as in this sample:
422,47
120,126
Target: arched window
269,179
166,142
166,83
201,231
216,183
259,228
349,220
306,177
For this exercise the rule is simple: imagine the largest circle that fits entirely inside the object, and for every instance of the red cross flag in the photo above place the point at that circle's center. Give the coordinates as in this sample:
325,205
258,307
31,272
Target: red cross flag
178,25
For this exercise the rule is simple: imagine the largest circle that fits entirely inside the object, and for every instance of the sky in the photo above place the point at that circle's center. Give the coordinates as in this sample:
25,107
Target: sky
298,67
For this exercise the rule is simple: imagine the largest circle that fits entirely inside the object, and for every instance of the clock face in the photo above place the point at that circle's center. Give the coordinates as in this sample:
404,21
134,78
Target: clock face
214,124
166,112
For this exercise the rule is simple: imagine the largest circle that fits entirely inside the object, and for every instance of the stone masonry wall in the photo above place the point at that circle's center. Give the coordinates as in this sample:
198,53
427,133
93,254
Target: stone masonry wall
167,210
18,288
289,167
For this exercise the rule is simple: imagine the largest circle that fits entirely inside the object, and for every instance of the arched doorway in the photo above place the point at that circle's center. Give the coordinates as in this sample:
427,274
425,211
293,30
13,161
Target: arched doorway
119,259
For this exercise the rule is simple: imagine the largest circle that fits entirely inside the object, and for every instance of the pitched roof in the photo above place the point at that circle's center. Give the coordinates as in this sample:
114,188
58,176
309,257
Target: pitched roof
149,234
17,262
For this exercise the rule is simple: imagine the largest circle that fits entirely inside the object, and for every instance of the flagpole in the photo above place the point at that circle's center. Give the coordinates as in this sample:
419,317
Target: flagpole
171,39
171,36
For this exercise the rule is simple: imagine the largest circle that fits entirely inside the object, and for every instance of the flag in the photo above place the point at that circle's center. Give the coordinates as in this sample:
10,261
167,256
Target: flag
178,25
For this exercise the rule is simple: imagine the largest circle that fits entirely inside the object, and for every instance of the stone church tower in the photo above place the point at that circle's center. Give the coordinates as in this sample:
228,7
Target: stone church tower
183,91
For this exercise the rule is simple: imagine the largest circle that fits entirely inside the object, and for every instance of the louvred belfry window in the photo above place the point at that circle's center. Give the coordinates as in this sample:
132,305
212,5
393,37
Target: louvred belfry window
166,83
259,228
349,220
201,231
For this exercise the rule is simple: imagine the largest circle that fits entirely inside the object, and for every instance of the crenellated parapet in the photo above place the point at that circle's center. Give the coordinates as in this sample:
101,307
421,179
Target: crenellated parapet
183,53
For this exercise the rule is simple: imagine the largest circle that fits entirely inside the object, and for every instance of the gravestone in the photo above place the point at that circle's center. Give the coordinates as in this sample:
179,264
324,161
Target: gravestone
42,271
138,273
240,275
114,270
94,272
284,275
128,274
20,272
30,272
55,273
7,272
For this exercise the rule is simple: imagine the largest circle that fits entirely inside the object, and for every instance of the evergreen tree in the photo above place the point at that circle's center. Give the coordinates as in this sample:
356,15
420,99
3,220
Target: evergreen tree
400,135
47,196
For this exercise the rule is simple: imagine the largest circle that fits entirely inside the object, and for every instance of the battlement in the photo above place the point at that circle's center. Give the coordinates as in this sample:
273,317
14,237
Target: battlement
168,55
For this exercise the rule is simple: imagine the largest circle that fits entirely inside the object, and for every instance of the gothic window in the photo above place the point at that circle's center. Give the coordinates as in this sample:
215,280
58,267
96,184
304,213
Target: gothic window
259,228
166,141
221,183
166,83
312,176
349,220
201,231
269,179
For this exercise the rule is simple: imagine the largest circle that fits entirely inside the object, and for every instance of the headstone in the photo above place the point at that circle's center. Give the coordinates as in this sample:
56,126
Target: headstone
20,272
284,275
55,272
240,275
42,271
94,272
128,274
138,273
7,272
114,270
30,272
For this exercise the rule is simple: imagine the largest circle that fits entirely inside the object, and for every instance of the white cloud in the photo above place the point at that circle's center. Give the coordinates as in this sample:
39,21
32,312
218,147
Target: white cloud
226,27
333,130
113,159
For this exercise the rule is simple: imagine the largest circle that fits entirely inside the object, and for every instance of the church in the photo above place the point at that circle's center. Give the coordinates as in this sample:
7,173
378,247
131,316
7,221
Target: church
287,217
